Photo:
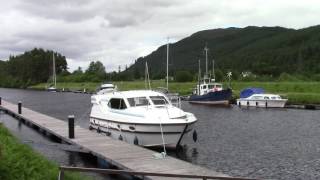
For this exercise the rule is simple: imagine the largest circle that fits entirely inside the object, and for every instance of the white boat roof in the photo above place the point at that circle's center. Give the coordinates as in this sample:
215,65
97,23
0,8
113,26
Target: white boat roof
265,95
107,85
134,93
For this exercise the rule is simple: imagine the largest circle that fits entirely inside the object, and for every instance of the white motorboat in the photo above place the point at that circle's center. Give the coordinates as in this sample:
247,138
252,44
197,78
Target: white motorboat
141,117
257,98
106,88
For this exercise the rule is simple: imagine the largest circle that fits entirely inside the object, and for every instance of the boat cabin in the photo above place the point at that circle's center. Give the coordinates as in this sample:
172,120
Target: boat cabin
207,85
124,100
265,97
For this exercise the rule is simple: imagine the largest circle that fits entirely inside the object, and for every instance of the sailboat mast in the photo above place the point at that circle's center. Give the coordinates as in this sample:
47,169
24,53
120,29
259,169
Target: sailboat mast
168,65
199,78
147,80
214,76
54,70
206,51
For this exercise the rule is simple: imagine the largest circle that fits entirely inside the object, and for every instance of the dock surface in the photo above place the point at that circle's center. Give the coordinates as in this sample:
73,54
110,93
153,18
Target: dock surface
121,154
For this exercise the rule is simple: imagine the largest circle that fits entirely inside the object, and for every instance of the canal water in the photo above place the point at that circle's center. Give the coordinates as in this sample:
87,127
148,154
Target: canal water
247,142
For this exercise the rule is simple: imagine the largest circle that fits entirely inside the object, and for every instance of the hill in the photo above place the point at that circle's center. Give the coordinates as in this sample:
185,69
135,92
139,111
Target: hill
261,50
31,67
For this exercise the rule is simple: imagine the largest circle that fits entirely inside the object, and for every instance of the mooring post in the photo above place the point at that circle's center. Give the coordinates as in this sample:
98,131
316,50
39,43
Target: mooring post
19,107
71,126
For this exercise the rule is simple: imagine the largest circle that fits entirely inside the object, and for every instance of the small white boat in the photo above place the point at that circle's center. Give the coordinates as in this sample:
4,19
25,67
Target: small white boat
141,117
257,98
106,88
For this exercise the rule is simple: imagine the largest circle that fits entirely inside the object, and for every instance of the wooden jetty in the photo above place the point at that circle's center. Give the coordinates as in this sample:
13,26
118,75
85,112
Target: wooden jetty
118,153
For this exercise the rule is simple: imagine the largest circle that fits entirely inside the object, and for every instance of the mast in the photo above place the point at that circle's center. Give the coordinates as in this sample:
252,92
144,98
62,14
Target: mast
147,80
168,64
206,51
214,76
54,78
199,78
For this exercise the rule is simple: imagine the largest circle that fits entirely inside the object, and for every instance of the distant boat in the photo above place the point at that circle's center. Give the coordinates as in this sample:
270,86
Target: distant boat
106,88
207,91
53,86
256,97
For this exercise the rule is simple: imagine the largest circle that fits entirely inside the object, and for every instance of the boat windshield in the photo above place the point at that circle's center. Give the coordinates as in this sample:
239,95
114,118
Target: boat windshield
158,100
138,101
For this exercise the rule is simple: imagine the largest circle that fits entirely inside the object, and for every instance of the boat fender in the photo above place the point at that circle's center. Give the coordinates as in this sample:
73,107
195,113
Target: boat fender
120,138
195,136
266,104
256,103
98,130
136,141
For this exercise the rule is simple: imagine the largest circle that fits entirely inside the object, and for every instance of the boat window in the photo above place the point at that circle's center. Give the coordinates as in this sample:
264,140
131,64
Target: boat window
106,88
204,86
266,97
210,86
158,100
273,97
218,86
117,103
138,101
257,97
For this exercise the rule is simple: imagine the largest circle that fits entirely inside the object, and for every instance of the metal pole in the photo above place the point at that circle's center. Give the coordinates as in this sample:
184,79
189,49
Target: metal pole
168,65
206,49
71,126
61,174
19,107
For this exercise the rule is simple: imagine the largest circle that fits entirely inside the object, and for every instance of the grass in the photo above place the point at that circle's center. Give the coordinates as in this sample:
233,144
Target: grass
19,161
297,92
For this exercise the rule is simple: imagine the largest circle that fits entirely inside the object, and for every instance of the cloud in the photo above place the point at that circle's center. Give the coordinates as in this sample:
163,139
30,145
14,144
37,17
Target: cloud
118,32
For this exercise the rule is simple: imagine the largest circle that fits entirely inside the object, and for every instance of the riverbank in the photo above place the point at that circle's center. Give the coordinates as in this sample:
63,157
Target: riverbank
297,92
19,161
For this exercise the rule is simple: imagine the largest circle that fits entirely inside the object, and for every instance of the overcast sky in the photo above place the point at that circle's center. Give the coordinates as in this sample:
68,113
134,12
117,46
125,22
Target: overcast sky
117,32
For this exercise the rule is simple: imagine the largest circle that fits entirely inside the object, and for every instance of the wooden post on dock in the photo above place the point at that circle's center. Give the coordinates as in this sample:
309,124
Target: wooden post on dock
19,107
71,126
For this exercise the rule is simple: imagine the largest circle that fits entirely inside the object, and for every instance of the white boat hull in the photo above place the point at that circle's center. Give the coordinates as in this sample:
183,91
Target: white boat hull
142,134
262,103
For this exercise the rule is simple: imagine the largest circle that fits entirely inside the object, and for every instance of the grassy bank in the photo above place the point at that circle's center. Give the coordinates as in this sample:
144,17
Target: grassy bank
19,161
297,92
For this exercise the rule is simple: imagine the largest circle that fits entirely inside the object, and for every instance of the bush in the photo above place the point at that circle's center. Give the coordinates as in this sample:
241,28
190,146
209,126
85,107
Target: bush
183,76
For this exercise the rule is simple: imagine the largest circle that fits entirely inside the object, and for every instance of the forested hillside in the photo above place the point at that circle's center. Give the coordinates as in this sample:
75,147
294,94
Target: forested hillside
267,51
31,67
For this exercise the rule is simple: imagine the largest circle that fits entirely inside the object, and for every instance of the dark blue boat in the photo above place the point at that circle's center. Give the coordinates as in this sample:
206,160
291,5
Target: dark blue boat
217,97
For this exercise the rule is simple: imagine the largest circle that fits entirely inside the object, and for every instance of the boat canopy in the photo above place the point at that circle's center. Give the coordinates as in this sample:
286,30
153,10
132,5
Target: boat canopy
250,91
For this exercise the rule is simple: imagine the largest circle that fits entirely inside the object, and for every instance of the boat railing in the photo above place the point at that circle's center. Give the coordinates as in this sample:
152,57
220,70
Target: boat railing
142,174
174,99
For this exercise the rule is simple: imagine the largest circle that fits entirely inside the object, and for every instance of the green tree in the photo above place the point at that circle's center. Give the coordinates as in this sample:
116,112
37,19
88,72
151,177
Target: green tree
183,76
96,71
